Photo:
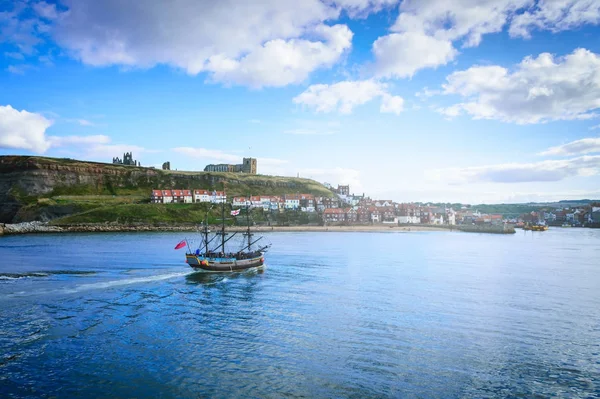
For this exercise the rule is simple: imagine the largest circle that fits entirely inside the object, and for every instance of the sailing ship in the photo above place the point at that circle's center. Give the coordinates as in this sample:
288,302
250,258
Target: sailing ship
216,258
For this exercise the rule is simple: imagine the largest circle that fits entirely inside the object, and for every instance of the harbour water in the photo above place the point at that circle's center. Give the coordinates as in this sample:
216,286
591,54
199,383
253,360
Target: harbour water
361,315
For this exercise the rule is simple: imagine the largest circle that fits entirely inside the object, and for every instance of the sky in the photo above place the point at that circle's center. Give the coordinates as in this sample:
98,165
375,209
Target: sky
473,101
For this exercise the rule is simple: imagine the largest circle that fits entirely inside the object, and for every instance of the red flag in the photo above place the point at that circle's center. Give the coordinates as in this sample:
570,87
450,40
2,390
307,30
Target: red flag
180,245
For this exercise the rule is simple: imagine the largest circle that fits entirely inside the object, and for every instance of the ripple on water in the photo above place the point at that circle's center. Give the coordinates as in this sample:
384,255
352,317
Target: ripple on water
333,315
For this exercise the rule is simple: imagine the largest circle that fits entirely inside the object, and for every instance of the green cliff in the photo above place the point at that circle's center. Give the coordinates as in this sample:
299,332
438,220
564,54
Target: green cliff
41,188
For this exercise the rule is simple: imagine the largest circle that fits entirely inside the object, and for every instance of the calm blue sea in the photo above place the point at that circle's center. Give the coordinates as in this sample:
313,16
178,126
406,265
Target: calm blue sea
333,315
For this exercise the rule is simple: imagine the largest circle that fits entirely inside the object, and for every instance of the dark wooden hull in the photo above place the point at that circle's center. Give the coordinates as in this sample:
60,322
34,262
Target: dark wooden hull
200,263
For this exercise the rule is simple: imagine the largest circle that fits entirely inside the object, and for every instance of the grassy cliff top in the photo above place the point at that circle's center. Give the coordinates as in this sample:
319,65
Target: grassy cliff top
96,178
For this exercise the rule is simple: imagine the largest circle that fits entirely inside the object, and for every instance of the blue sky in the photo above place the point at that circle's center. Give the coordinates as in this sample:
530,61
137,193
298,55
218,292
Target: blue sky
429,100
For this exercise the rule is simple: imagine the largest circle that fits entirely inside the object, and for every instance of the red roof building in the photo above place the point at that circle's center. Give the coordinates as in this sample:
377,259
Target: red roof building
157,196
334,215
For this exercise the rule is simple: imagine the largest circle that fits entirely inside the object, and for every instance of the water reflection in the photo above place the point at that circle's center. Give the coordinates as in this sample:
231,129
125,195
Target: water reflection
204,278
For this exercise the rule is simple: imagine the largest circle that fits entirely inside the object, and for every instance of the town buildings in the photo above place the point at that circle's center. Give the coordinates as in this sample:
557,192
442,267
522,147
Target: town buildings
572,216
349,209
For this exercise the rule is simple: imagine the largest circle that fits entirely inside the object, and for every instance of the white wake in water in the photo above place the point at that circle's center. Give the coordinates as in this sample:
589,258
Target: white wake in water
116,283
99,285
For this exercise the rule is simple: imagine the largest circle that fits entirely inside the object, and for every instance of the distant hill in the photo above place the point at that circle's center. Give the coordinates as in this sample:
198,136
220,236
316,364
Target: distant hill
43,188
514,210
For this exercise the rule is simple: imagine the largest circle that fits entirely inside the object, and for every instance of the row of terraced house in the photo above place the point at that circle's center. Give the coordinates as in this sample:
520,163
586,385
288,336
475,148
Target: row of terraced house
187,196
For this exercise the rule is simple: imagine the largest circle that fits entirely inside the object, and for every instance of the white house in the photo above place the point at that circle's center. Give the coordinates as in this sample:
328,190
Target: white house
256,201
241,202
187,196
218,197
375,217
167,196
267,202
292,201
451,215
201,196
345,198
437,218
409,219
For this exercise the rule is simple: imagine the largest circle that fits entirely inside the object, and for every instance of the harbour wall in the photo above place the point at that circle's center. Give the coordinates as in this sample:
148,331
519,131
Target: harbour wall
488,229
492,229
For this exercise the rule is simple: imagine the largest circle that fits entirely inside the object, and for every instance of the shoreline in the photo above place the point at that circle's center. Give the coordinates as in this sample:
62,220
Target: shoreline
39,227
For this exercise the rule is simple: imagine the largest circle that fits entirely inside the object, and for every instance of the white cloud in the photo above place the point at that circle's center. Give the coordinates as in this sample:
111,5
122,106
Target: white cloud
19,69
45,10
14,55
186,36
81,122
344,96
595,127
544,171
400,55
583,146
279,62
361,7
540,89
23,130
391,104
18,29
266,43
262,43
451,111
426,93
85,122
426,31
456,19
423,34
254,121
555,16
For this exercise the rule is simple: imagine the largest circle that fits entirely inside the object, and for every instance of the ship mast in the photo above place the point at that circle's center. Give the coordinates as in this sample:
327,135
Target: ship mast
223,225
206,233
248,223
222,232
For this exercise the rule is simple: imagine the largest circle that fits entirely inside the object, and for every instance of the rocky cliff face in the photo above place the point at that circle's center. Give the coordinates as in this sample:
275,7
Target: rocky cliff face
24,179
